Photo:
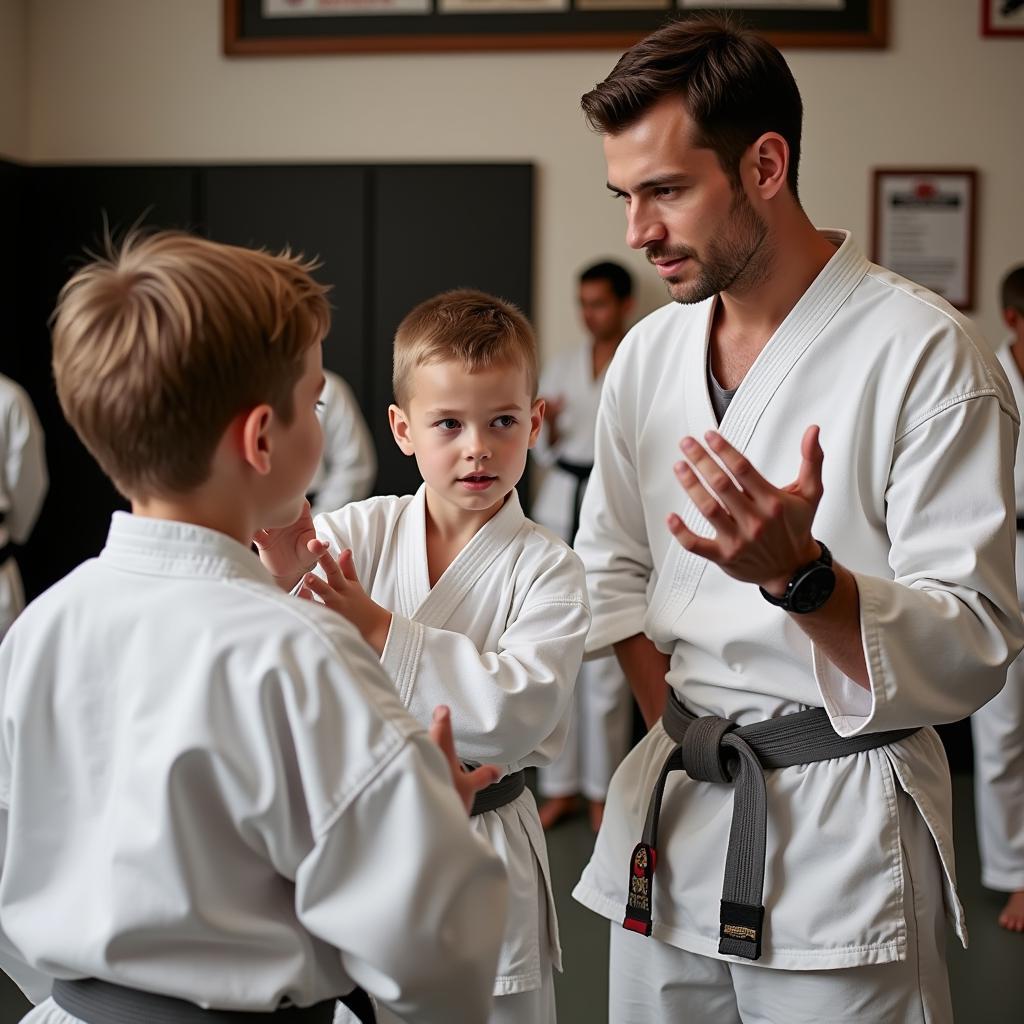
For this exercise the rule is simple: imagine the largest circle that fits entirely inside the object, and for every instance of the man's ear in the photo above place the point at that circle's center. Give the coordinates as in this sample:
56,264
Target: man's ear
254,435
399,423
536,420
769,158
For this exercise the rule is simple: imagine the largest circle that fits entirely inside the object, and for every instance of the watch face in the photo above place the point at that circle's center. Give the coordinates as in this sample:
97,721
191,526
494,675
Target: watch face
813,589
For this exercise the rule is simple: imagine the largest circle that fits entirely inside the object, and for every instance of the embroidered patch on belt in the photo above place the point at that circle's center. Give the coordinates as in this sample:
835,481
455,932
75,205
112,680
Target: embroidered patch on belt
638,896
735,931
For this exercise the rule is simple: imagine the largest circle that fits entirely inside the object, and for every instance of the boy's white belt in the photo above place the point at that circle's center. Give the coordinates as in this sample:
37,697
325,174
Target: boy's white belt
714,749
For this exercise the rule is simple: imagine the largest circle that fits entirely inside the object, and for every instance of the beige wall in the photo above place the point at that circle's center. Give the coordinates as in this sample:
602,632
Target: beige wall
14,78
145,80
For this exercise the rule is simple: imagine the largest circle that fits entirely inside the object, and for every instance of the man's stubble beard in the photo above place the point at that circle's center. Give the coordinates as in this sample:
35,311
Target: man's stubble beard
737,263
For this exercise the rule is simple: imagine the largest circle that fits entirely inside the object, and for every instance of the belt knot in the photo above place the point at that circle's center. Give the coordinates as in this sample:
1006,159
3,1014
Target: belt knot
703,754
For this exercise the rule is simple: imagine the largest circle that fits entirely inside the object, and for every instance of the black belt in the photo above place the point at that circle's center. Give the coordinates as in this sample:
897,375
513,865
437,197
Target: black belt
714,749
1020,524
101,1002
502,792
581,471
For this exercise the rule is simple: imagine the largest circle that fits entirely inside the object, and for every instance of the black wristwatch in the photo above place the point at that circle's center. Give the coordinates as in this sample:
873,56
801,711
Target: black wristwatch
810,587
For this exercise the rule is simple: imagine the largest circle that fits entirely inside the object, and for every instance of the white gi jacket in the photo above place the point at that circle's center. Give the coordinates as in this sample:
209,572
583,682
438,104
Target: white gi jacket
208,790
23,484
499,639
569,375
349,462
918,428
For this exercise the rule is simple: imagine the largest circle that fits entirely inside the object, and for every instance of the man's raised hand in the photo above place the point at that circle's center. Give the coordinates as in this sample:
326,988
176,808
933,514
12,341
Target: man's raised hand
762,532
467,782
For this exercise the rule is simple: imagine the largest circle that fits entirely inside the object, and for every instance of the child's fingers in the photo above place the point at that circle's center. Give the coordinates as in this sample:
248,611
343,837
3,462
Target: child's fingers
347,565
441,734
331,570
319,587
482,777
306,594
316,547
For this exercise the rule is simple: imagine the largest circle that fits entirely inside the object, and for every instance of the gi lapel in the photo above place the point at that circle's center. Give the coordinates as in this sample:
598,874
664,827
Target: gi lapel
681,575
470,564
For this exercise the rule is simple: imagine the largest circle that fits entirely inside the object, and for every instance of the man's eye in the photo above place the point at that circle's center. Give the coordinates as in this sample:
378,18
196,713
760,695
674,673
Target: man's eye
505,422
667,192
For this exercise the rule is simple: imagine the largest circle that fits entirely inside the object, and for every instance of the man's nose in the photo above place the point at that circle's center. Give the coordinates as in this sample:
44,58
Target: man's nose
642,226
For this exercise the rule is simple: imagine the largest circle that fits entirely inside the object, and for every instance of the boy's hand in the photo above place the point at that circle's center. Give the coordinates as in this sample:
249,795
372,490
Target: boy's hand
467,783
342,592
285,552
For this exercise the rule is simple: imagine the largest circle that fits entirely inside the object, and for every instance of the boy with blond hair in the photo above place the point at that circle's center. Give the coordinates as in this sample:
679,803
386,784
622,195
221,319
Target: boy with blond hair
210,799
466,600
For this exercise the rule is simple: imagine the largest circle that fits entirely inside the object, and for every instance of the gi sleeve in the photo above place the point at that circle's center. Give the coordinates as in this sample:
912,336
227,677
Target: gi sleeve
349,460
509,705
25,480
414,901
938,637
612,539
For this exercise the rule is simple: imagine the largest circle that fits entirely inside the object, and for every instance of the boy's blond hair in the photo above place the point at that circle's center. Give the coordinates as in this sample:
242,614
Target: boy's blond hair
162,341
465,326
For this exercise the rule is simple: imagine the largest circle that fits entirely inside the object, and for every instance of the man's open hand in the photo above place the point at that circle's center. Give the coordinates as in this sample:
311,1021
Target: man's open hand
762,532
467,782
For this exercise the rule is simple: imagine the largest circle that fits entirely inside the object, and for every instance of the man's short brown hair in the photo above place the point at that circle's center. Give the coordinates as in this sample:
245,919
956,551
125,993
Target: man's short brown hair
162,341
736,86
464,326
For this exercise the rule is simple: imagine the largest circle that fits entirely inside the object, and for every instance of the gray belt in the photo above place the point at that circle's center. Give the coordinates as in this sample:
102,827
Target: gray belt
101,1002
502,792
714,749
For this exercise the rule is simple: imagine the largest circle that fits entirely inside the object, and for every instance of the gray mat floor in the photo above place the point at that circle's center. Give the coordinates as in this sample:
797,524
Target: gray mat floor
987,979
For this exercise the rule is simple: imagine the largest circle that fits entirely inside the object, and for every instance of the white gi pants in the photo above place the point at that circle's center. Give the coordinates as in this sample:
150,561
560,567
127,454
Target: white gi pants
652,982
598,736
998,731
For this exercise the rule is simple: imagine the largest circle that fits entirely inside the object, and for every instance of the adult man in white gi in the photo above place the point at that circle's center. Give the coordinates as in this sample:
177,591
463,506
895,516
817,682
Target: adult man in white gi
602,719
721,580
998,727
23,484
349,462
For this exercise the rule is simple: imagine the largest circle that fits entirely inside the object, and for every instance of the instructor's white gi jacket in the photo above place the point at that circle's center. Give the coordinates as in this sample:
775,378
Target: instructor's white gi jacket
208,790
499,639
918,428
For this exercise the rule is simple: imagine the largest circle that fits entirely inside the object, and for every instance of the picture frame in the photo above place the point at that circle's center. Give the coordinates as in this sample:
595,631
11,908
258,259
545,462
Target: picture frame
924,225
1002,17
290,27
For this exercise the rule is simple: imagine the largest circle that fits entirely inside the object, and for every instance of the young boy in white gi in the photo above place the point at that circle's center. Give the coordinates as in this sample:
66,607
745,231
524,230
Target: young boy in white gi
602,720
466,600
998,727
209,795
813,607
23,484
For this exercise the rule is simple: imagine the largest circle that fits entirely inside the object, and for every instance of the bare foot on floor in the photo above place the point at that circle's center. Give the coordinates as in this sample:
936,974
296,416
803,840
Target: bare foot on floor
596,810
556,809
1012,917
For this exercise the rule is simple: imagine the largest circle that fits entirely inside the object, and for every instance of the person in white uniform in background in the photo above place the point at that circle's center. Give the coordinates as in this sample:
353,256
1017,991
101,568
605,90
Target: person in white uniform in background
466,601
348,465
210,798
571,384
23,484
827,573
998,727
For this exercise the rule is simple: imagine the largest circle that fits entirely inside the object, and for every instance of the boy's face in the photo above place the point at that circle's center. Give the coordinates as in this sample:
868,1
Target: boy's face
298,445
470,432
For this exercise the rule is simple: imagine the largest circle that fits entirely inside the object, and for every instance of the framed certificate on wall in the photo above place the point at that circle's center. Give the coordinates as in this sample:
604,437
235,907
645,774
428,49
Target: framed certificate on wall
924,224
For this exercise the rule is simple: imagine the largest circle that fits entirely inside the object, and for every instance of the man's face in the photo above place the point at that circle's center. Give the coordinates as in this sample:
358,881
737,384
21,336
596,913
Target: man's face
699,231
470,432
604,313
